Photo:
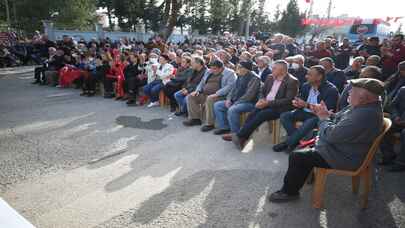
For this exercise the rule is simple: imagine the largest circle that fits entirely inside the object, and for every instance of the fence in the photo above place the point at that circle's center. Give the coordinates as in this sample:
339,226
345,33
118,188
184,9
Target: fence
57,34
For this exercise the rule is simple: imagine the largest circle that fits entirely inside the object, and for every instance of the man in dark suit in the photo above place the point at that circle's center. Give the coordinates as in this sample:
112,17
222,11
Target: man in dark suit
387,145
263,67
333,75
317,89
277,93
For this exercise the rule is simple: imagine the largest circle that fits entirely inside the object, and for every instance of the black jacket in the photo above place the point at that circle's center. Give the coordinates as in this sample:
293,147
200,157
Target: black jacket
328,93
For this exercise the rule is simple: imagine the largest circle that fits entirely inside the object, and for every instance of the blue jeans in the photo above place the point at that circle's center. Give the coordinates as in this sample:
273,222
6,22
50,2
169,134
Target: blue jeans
181,101
230,118
288,120
152,90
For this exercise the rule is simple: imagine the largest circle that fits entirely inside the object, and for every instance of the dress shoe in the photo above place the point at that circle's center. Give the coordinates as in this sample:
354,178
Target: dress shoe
180,113
227,137
280,147
239,142
281,197
206,128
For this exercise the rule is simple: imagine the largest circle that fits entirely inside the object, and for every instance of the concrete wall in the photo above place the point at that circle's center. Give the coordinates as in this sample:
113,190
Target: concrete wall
56,34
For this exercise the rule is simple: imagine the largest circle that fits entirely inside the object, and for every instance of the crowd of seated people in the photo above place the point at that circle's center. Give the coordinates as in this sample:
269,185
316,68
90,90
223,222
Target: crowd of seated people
214,82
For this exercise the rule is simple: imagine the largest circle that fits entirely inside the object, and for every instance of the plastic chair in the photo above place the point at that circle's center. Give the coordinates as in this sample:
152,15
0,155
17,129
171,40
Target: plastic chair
364,172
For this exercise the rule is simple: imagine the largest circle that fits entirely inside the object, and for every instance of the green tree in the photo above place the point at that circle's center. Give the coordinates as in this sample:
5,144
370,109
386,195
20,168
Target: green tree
219,13
76,14
79,14
290,22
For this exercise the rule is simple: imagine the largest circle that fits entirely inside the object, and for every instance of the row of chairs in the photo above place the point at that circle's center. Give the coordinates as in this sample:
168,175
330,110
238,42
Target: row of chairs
364,173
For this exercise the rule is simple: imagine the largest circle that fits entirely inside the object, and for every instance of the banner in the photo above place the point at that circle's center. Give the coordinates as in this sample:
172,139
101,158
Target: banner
335,22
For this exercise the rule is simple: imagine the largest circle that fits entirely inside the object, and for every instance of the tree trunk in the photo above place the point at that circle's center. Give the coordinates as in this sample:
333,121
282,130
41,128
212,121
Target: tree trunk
110,19
175,7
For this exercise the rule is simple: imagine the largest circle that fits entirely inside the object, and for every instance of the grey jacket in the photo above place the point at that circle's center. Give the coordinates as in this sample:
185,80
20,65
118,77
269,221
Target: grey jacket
345,139
251,94
228,78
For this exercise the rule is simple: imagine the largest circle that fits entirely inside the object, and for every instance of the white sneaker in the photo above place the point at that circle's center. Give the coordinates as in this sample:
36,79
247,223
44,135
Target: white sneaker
153,104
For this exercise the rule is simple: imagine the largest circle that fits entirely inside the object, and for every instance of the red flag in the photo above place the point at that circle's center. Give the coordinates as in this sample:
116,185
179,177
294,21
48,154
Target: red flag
308,1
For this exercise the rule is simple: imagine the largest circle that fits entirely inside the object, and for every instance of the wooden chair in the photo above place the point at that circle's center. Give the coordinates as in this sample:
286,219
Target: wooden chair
363,172
163,100
275,129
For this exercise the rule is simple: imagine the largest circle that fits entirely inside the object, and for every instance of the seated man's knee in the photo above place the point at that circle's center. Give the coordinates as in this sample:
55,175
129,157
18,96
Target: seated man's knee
286,116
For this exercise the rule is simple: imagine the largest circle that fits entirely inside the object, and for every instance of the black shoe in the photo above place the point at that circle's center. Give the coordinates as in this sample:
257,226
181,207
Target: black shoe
221,131
172,108
179,113
280,147
192,122
206,128
91,93
36,82
281,197
397,168
85,93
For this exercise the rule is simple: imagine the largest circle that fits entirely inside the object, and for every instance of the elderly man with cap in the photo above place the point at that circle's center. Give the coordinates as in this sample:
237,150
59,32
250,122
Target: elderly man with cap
215,86
241,99
344,138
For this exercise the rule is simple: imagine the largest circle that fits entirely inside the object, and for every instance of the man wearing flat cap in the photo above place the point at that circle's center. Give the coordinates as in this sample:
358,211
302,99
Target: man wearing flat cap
344,137
241,99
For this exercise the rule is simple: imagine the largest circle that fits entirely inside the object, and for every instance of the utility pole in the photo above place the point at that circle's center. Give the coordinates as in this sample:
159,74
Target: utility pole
311,7
249,12
7,13
329,8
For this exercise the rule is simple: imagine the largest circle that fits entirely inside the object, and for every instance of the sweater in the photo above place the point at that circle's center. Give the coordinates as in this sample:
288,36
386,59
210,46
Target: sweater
344,140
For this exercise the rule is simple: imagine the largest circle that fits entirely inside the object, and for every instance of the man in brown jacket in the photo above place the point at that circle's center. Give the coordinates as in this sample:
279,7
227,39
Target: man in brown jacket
277,94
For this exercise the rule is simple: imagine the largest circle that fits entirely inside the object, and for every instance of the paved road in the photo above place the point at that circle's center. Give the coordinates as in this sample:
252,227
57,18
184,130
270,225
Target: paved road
71,161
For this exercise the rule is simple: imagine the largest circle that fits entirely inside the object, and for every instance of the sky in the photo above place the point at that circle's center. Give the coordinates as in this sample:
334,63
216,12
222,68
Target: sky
354,8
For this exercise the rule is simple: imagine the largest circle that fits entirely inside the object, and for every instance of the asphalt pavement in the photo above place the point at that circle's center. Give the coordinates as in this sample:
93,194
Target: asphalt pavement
72,161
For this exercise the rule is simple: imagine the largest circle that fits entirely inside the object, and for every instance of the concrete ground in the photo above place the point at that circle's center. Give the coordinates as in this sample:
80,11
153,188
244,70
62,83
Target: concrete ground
71,161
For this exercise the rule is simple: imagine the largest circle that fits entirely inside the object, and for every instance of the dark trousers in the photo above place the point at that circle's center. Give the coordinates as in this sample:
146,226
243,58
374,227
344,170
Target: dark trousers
300,165
109,85
255,119
132,85
90,80
387,145
170,89
39,74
